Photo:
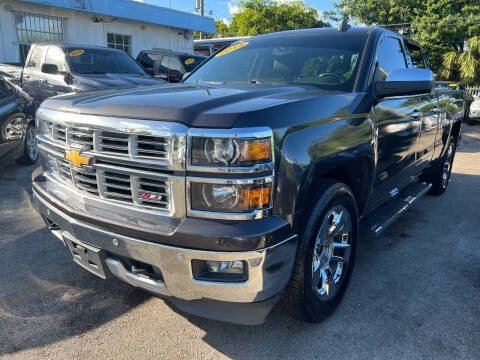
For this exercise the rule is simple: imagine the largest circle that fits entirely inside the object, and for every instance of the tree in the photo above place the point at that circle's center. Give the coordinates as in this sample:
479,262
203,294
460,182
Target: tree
464,65
221,31
264,16
440,26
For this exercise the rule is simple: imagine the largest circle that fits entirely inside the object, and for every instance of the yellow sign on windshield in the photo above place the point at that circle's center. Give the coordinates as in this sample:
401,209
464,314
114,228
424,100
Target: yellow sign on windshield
189,61
232,48
77,52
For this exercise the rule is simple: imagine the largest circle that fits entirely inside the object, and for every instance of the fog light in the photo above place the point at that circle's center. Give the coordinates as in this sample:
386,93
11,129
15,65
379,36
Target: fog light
225,267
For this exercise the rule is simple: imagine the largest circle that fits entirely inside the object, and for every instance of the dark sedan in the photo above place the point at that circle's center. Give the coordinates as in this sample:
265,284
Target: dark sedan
17,128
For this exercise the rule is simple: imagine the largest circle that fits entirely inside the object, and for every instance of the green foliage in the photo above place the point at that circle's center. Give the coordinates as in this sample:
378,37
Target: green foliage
264,16
221,28
440,26
463,65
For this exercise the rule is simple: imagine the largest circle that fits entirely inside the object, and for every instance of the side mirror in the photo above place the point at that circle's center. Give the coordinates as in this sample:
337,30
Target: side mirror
403,82
50,69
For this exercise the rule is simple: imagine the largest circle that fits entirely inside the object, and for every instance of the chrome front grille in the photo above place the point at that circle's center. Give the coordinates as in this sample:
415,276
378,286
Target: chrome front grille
133,165
110,142
80,136
114,184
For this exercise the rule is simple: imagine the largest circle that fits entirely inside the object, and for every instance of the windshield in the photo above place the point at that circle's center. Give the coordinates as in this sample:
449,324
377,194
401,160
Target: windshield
102,61
190,62
328,61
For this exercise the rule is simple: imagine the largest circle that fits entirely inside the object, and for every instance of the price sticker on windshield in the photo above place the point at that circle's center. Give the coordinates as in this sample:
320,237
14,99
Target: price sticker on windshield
77,52
232,48
189,61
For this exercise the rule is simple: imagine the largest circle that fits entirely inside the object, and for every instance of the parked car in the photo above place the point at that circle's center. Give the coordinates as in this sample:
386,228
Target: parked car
208,47
252,180
17,128
168,65
460,107
53,69
474,112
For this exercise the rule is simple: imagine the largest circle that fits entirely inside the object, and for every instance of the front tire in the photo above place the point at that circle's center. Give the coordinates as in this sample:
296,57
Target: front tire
30,152
325,257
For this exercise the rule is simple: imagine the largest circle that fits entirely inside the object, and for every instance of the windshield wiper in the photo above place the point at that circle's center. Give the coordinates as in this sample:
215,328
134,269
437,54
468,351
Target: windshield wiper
94,72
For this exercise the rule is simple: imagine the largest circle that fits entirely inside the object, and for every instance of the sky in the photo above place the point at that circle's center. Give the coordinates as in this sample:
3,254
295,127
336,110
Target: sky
223,9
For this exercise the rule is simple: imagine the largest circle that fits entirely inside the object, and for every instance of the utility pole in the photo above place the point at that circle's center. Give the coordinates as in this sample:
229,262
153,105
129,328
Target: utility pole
202,10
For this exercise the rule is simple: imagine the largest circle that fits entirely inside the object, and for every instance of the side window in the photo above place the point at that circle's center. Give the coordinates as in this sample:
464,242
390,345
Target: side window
56,56
164,65
148,61
175,64
390,57
35,58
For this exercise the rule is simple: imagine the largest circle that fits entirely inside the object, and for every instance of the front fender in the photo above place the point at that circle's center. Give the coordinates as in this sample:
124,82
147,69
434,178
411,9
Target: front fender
315,150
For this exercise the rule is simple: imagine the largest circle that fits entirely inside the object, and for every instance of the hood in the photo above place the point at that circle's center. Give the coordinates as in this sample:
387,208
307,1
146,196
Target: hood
105,81
194,105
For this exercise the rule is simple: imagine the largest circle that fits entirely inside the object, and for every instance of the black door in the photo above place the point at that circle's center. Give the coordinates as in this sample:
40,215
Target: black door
398,121
55,84
33,79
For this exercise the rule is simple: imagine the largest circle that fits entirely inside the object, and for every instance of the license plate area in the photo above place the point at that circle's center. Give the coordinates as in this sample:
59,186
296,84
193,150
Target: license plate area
88,257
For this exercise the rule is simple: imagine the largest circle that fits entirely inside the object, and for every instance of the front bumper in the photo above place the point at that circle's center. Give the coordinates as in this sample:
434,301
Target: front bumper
247,302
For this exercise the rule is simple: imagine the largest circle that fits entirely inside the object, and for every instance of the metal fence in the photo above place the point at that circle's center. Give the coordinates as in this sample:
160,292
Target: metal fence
33,28
474,91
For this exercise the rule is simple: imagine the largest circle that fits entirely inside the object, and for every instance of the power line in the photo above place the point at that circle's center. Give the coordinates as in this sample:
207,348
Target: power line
449,22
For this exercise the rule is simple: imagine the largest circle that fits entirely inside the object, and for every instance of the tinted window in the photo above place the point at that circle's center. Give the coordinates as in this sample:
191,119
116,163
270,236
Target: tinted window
191,62
148,60
330,62
165,62
56,56
102,61
35,58
390,57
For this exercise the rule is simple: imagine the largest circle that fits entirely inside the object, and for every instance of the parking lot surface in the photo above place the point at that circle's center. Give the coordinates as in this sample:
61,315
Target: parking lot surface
415,292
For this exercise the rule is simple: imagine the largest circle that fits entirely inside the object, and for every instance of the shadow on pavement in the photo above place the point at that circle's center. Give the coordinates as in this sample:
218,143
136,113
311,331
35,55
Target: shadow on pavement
45,297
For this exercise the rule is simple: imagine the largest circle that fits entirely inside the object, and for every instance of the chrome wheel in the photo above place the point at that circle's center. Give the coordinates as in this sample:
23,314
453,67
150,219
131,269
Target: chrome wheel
332,252
447,166
31,143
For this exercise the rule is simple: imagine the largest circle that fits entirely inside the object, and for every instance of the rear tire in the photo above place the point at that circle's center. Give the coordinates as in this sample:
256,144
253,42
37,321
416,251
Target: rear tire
440,177
30,152
325,255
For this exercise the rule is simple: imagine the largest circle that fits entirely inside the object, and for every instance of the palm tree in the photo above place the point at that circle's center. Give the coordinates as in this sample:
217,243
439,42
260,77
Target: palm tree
464,65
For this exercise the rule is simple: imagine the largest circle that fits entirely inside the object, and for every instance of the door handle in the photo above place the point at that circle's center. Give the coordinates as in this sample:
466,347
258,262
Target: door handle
26,76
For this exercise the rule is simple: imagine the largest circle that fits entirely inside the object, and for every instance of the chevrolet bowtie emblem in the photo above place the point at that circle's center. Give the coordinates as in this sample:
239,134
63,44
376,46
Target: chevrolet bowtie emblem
76,159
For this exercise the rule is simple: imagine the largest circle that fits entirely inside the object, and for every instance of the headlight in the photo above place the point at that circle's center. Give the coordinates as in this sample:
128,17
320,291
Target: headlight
243,162
230,152
231,198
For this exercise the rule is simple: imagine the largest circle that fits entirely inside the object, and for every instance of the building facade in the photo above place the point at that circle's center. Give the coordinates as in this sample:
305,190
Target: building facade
127,25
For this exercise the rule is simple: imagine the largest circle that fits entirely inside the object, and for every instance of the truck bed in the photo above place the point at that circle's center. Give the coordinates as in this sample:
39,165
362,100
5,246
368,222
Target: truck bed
11,71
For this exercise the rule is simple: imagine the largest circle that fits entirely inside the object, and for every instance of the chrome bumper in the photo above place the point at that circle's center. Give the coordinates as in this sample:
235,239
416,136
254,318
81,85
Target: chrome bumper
268,269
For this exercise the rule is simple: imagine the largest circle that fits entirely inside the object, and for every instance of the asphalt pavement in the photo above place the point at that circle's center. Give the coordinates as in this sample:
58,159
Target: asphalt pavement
415,293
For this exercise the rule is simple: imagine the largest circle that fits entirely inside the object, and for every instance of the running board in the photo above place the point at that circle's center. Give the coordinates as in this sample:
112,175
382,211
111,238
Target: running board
385,215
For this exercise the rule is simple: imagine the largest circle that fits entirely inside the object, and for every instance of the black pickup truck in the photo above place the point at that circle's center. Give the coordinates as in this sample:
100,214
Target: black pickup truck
54,69
253,179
